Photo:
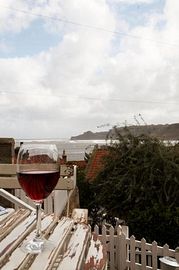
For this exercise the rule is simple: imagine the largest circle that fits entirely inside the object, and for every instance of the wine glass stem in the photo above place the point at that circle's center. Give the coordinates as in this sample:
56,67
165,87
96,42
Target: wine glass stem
38,213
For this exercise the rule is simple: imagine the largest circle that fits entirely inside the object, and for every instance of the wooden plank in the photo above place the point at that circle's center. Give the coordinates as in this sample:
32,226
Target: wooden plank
132,252
59,238
165,250
122,250
8,169
104,237
73,258
65,183
96,257
14,199
154,255
19,257
60,200
9,182
7,214
48,204
111,247
66,170
9,224
80,215
11,169
8,178
12,182
14,238
143,254
96,229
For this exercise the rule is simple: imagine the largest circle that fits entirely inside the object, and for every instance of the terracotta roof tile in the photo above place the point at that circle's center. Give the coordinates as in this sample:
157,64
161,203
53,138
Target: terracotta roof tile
95,163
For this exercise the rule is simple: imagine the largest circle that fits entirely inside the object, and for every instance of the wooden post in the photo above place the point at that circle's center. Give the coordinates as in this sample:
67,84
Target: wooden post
7,156
177,254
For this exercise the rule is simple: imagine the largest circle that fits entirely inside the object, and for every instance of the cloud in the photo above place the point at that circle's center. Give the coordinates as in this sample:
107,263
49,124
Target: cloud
101,71
11,20
4,48
132,1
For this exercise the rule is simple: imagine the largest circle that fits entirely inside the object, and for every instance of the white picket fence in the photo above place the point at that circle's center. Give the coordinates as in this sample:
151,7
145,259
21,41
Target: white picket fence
129,253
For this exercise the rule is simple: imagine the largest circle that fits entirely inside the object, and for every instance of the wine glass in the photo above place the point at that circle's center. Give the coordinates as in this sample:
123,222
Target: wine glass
37,173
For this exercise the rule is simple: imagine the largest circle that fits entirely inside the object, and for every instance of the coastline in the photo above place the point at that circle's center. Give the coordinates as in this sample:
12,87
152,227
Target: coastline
74,149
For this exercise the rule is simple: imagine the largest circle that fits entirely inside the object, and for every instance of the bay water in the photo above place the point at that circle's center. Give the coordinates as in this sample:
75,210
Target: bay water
74,149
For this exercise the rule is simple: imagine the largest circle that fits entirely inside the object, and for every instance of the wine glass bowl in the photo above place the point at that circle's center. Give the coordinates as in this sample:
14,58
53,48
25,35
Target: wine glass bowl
37,173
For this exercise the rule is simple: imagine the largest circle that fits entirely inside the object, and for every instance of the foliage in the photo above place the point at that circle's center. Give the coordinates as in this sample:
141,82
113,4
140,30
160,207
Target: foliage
140,184
85,195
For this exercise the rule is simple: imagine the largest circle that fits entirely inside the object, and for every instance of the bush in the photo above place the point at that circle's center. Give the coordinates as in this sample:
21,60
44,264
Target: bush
140,184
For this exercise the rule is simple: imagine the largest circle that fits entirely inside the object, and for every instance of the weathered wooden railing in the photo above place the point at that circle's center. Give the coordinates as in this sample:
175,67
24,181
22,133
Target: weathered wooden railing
129,253
72,246
57,200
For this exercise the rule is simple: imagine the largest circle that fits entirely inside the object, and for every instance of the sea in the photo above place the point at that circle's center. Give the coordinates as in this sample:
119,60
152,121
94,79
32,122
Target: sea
74,149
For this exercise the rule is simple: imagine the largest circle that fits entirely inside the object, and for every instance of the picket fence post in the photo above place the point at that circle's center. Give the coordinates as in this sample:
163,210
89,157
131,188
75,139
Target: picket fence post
143,254
111,247
129,253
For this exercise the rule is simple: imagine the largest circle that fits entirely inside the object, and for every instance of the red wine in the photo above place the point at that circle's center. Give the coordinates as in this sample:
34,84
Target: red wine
38,184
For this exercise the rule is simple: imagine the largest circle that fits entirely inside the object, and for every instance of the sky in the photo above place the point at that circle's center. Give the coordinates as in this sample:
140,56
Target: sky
69,66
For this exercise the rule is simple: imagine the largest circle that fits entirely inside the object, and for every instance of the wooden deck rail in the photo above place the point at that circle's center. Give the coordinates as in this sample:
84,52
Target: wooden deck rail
56,201
72,246
8,178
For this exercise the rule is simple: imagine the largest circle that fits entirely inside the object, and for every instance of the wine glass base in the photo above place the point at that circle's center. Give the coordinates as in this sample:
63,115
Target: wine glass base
36,246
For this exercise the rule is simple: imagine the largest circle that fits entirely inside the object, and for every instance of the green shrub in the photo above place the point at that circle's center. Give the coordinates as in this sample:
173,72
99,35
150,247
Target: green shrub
140,184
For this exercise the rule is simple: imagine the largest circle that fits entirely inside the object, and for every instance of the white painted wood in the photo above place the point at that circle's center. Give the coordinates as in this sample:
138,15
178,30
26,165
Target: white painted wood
67,170
80,215
12,182
165,250
65,184
48,204
14,199
19,229
8,169
14,238
104,238
72,251
60,201
125,230
6,215
58,239
143,254
74,175
122,244
111,247
154,255
96,256
122,249
19,257
96,229
132,252
73,258
177,256
12,221
19,193
54,203
11,169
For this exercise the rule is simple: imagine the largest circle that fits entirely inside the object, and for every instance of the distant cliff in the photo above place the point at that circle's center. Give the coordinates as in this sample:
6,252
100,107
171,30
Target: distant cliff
163,132
89,135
